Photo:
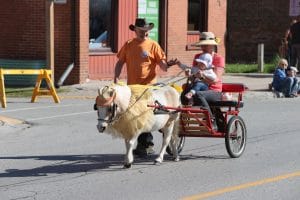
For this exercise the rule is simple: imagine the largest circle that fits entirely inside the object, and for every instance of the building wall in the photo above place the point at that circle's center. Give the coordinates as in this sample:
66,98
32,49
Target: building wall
254,22
82,41
217,18
64,40
101,65
19,22
23,35
177,30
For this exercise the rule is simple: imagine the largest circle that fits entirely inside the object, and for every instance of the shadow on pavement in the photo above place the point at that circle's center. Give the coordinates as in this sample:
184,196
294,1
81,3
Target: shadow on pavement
65,164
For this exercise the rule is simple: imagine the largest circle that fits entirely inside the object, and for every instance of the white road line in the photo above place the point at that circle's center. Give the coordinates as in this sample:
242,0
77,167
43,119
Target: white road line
44,107
59,116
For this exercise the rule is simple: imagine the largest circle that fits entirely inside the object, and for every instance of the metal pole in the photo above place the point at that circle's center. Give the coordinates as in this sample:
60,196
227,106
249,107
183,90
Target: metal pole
64,75
260,57
50,35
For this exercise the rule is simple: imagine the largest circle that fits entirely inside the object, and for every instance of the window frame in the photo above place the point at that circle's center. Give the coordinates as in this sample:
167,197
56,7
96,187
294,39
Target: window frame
204,25
203,18
113,37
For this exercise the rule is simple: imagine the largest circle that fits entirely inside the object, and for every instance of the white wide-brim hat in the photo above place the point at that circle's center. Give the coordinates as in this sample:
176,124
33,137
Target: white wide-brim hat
206,38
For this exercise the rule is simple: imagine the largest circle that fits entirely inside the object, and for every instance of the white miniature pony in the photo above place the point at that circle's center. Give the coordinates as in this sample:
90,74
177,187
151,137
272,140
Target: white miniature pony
123,112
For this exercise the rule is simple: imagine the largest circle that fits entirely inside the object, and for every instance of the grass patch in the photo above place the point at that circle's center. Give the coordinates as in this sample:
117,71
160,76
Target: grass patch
269,67
26,92
248,68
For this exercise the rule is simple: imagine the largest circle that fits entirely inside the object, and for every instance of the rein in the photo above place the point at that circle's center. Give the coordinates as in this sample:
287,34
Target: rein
171,80
113,107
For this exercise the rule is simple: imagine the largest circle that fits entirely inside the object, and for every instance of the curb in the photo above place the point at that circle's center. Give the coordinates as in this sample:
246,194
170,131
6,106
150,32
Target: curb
10,121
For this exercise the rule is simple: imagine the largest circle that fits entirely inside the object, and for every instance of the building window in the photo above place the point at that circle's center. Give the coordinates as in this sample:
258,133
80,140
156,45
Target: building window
102,24
197,15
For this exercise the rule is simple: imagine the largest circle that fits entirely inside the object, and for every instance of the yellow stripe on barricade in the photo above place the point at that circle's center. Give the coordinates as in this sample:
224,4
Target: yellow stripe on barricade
43,74
25,71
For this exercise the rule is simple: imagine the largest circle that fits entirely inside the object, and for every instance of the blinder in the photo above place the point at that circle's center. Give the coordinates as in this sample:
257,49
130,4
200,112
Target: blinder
112,110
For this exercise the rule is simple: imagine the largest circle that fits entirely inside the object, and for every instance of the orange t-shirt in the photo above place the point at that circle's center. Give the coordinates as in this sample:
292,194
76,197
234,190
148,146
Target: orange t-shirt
141,58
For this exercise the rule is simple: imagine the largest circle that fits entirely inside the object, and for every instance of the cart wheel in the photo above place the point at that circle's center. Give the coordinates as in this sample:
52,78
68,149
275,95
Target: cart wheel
179,147
235,138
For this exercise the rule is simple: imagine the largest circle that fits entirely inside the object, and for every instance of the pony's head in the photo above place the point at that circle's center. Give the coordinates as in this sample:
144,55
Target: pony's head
106,107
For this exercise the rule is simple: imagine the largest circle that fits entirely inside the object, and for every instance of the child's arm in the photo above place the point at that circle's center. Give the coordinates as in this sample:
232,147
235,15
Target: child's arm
207,76
210,74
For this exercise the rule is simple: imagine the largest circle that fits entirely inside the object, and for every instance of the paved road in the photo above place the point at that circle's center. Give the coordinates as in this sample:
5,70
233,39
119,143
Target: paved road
58,154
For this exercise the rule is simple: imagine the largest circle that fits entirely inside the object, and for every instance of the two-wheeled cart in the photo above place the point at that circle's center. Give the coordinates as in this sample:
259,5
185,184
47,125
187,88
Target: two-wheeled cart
197,122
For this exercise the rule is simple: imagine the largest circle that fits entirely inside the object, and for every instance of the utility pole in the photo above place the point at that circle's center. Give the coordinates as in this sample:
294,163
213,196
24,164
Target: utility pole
260,57
50,36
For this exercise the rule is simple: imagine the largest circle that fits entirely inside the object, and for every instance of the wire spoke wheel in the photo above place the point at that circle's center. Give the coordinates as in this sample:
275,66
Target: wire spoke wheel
180,145
235,137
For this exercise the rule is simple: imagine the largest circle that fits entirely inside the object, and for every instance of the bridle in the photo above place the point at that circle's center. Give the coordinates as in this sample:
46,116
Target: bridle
110,106
112,110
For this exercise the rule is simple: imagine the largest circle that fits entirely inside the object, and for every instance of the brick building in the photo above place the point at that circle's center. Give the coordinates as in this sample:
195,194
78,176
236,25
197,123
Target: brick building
89,33
252,22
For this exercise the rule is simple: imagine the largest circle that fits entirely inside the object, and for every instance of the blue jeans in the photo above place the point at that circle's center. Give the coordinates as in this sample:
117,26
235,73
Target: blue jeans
199,86
288,86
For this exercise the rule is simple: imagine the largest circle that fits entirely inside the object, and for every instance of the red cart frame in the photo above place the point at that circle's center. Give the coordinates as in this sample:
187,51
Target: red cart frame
196,121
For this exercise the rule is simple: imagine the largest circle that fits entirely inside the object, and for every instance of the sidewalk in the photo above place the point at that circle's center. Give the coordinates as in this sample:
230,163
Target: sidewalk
257,84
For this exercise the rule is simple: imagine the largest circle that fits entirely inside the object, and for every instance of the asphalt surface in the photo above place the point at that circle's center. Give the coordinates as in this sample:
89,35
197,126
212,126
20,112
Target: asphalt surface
58,153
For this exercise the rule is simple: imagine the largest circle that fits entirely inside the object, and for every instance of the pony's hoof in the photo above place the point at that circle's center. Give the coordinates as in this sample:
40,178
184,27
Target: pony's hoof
127,166
176,159
156,162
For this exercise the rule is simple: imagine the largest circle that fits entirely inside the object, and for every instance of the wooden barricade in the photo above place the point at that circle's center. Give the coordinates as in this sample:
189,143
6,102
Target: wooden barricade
42,74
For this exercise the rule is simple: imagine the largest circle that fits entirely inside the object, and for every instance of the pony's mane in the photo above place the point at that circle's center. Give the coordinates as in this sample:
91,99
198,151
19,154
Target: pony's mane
137,115
123,94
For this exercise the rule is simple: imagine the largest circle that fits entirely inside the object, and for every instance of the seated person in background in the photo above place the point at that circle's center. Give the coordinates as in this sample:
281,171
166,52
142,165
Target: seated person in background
291,72
283,83
198,73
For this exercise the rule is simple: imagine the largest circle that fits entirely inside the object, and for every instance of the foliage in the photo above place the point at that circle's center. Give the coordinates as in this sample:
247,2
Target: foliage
252,67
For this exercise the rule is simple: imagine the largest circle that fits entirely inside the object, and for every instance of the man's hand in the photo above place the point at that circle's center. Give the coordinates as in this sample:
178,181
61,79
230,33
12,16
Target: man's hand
116,80
188,72
173,62
199,74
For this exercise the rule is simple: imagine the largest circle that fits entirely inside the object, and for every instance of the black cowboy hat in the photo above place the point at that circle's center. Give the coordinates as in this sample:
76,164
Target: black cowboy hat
141,23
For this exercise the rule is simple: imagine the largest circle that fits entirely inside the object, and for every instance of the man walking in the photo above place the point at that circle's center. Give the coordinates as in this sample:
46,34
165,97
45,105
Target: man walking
141,55
295,41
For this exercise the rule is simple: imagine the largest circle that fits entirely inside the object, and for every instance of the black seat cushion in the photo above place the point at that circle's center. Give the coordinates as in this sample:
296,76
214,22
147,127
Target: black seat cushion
227,104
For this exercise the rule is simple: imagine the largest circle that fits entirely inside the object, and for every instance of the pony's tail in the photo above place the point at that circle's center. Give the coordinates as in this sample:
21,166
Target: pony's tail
176,130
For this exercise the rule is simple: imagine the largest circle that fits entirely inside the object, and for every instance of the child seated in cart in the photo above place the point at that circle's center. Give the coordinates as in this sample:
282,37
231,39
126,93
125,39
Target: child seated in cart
203,69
